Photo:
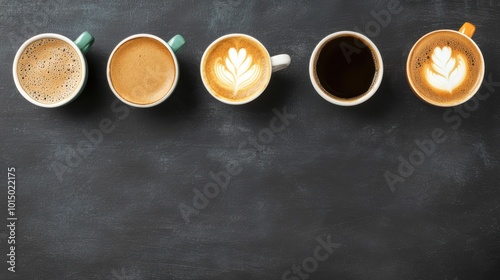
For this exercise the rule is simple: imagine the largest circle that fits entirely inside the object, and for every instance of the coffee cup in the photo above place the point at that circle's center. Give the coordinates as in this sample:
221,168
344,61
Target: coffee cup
143,70
346,68
446,68
50,70
237,68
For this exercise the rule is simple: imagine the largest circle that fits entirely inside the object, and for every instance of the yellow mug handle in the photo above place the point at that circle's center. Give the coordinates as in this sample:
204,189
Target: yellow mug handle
468,29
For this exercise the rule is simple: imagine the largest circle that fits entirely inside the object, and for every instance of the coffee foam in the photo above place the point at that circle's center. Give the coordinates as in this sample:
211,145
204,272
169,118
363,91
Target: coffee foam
445,67
142,70
234,68
49,70
238,71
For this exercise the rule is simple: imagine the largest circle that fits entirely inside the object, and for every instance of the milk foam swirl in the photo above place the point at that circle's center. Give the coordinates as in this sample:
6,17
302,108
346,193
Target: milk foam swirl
237,71
445,70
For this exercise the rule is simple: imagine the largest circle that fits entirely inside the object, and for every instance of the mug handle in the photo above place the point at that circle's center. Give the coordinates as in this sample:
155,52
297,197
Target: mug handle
84,42
280,62
468,29
176,43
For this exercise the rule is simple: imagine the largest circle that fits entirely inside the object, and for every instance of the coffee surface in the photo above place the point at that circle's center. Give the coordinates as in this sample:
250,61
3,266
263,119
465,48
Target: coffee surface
445,67
49,70
236,68
142,70
345,67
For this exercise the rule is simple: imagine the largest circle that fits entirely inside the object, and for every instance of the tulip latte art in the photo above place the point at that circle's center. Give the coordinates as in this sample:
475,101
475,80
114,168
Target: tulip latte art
236,68
237,71
445,71
445,67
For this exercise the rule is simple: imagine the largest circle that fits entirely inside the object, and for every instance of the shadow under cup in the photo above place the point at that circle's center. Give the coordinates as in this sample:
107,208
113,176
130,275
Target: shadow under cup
346,68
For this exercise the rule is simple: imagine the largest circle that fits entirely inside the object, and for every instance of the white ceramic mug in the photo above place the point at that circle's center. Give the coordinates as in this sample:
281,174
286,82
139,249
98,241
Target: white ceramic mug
271,64
172,47
81,47
360,41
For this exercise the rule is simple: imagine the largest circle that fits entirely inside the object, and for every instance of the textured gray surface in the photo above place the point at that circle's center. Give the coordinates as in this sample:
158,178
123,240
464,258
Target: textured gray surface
116,214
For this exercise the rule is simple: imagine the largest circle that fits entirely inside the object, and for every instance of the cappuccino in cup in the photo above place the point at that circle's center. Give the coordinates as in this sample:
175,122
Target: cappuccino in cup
237,68
445,67
50,70
143,70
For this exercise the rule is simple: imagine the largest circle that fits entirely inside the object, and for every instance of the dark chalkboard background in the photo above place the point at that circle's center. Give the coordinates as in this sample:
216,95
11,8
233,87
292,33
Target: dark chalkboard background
114,213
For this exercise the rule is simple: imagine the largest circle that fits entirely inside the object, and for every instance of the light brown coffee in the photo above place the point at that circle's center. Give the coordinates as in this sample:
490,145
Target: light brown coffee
445,68
142,70
49,70
236,68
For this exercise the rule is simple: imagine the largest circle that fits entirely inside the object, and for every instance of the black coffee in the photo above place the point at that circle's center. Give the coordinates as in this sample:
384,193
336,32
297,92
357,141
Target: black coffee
346,67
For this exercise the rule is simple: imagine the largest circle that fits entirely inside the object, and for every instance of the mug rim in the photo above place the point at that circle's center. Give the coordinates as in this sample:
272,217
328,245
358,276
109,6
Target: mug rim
176,65
377,79
81,83
473,91
227,100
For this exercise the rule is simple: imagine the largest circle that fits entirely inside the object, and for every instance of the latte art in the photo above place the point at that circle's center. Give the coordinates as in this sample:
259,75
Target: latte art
236,68
445,70
237,71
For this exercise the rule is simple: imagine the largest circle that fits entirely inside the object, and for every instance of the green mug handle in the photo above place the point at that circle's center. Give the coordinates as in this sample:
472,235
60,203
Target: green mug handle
84,42
176,43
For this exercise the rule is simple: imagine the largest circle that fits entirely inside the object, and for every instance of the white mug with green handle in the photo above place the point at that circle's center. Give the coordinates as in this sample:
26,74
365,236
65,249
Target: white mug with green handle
143,70
50,70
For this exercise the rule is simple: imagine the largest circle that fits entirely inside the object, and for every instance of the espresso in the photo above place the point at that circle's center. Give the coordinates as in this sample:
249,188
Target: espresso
346,67
236,68
445,68
49,70
142,70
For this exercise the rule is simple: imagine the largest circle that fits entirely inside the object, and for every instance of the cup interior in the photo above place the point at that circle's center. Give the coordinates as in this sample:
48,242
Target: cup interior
207,80
166,94
371,79
70,97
